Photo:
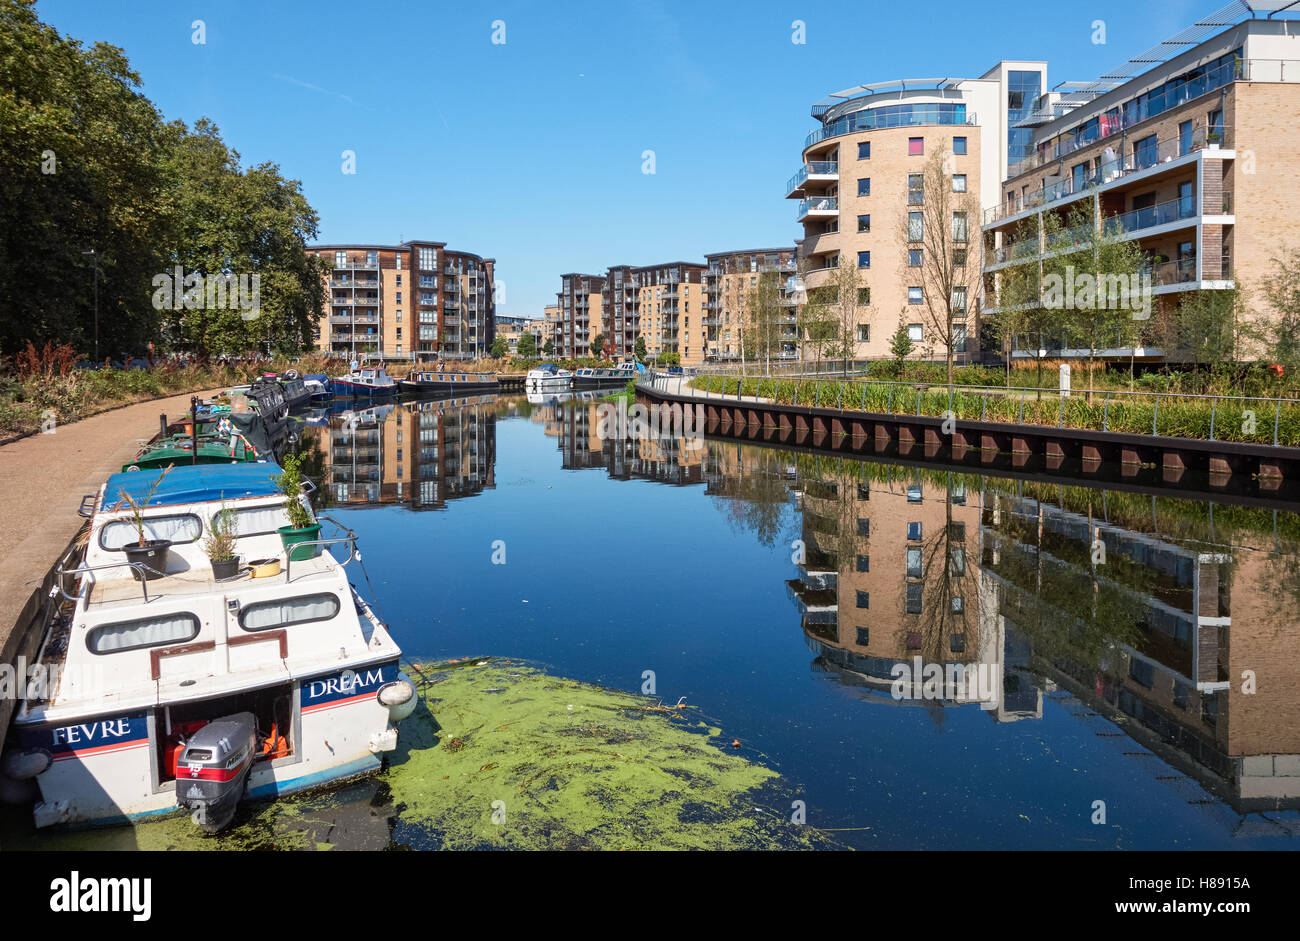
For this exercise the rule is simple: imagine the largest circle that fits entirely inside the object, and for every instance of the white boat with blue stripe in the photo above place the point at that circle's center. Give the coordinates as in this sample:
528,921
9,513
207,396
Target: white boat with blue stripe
181,691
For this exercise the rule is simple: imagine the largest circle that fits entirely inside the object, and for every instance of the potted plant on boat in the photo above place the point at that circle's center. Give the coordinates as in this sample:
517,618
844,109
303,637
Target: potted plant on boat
302,527
148,555
219,544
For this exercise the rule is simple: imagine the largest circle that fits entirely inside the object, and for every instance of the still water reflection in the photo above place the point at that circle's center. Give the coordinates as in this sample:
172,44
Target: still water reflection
1122,651
1141,649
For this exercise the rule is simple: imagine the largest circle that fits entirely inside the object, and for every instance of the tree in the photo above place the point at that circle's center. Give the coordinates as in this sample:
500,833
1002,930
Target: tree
900,344
1203,328
834,314
548,348
760,333
598,345
939,256
527,346
1092,278
1274,333
500,347
640,349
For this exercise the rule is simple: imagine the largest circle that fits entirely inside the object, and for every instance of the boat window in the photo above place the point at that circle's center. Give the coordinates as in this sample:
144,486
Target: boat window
266,615
146,632
116,534
259,520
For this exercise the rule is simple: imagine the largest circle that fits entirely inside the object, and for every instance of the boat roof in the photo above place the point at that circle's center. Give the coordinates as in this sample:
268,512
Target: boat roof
199,483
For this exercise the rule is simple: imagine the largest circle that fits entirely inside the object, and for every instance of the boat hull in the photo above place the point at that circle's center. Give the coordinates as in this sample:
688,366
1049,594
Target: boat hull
105,769
447,388
343,389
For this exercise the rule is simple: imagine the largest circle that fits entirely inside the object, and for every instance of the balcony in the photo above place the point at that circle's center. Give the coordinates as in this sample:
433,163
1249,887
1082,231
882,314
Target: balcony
1114,172
821,207
873,119
1170,213
815,171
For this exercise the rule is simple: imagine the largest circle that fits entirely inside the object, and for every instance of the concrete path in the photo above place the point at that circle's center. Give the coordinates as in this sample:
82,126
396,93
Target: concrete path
42,480
681,385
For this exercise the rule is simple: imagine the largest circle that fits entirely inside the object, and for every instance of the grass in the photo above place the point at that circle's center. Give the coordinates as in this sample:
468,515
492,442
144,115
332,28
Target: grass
44,387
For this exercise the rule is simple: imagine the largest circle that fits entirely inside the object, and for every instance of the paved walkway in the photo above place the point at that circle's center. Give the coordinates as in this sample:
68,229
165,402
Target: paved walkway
681,385
42,479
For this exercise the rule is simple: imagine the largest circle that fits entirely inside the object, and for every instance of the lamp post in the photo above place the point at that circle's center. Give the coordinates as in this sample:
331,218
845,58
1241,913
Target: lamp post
94,255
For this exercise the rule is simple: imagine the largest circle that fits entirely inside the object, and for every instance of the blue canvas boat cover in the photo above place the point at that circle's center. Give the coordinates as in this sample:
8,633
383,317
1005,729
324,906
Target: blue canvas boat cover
196,483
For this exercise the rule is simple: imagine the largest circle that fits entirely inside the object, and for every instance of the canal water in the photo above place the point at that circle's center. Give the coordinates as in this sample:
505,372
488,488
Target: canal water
929,660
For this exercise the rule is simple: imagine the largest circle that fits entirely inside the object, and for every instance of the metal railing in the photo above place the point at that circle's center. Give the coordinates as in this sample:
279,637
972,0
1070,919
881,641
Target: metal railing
842,393
812,168
140,568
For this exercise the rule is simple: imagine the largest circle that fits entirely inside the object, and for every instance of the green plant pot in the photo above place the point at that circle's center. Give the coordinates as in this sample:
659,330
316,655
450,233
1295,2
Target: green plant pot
290,537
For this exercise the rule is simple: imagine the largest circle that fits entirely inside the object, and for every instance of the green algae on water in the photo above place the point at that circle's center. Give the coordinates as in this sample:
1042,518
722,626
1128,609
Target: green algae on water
502,755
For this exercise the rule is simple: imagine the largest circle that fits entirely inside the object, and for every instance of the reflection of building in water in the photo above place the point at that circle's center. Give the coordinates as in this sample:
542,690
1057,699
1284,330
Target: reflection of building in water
420,454
889,575
1159,631
582,427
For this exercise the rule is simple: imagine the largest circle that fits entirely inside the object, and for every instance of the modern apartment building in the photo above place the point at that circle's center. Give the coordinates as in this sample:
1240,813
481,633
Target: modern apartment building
731,281
512,328
580,314
862,182
413,300
1190,149
619,305
669,309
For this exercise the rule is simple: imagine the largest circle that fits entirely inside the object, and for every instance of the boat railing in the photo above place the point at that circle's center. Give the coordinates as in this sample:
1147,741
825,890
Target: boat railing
88,504
350,539
141,570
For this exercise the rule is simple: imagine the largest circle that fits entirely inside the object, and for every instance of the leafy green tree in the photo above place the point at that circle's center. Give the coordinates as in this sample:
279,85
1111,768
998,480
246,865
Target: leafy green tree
640,349
548,347
527,345
500,347
901,345
598,345
1274,332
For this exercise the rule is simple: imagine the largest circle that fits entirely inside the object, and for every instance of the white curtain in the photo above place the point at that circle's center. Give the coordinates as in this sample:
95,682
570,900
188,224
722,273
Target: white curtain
259,520
266,615
178,529
152,632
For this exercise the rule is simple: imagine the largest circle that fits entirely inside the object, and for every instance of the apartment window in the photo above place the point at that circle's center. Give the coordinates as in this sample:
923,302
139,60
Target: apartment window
914,258
959,182
864,259
914,569
864,297
957,643
429,259
399,266
399,316
1144,152
915,146
399,277
864,563
916,189
340,259
399,297
864,636
1215,124
959,257
956,561
914,532
864,599
864,186
959,145
958,605
915,296
1184,138
864,527
959,227
399,333
864,223
915,226
959,299
913,606
914,493
1141,672
372,259
399,347
864,333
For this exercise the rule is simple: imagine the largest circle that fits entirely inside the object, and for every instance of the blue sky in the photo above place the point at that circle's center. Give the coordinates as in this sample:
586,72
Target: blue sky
531,151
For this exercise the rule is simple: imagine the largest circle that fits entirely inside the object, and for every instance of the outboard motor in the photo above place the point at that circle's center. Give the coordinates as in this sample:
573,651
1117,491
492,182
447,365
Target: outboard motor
212,770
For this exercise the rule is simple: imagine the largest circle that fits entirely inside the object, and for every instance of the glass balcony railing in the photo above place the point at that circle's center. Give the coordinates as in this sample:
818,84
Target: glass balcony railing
820,205
812,168
872,119
1151,216
1112,169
